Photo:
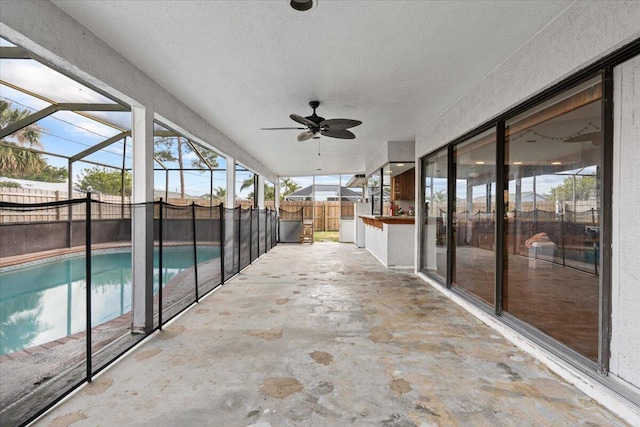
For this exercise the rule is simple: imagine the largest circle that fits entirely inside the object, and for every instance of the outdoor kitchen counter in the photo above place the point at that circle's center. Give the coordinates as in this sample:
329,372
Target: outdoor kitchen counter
378,220
391,239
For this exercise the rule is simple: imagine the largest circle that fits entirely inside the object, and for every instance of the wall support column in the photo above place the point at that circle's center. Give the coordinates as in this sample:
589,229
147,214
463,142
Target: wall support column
142,221
277,194
260,192
230,202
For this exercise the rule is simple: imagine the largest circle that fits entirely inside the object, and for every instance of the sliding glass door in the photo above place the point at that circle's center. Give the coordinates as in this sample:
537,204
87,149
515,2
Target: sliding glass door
545,266
553,163
474,240
433,257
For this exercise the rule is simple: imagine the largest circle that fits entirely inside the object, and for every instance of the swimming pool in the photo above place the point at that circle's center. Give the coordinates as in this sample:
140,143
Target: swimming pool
45,301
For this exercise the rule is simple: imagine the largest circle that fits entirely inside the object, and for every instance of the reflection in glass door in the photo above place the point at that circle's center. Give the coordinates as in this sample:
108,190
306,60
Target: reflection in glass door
553,167
474,241
434,215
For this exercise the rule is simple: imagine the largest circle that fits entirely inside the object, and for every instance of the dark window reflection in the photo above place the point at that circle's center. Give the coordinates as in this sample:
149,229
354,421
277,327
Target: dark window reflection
434,215
475,216
552,218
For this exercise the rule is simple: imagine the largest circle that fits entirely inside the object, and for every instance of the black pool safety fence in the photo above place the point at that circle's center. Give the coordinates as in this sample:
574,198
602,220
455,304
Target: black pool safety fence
290,225
67,286
576,235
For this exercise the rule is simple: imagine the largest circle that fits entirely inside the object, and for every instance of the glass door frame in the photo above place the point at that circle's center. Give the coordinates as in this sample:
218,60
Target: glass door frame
605,285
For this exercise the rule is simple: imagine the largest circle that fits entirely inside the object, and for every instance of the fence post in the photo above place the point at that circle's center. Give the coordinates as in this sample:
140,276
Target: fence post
239,236
195,246
88,282
57,198
324,216
160,270
222,243
100,206
562,237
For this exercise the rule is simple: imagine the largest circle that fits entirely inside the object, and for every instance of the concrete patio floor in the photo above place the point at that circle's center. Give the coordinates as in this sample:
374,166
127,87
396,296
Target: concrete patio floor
323,335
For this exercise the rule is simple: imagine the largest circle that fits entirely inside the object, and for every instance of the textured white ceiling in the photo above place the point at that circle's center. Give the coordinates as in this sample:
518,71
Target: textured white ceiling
243,65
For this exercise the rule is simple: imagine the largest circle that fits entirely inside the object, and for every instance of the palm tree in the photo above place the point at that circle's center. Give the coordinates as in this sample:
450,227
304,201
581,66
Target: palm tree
288,186
14,161
248,183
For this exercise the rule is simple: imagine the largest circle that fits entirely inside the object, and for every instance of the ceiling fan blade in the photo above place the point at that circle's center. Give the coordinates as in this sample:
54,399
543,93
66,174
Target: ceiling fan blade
302,120
593,137
305,135
340,124
342,134
281,128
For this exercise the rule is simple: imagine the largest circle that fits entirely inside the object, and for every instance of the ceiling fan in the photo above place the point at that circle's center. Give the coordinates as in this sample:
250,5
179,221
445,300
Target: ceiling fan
316,125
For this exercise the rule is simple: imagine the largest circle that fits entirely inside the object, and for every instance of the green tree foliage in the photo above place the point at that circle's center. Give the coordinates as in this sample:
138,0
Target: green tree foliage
175,148
269,192
248,183
14,161
288,186
439,196
105,181
10,184
219,194
585,189
47,174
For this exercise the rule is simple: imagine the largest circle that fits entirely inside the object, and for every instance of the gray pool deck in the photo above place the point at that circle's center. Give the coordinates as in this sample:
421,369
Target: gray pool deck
324,335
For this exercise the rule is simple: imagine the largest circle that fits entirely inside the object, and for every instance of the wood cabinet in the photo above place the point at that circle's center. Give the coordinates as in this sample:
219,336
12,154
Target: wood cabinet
403,186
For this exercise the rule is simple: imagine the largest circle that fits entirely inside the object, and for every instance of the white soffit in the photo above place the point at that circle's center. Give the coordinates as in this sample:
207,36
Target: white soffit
243,65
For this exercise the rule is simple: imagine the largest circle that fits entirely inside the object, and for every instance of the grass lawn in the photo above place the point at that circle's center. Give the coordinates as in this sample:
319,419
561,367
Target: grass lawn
325,236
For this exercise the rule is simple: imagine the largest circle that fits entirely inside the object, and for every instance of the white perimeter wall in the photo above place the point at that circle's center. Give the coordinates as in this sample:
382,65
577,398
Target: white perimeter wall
625,340
585,32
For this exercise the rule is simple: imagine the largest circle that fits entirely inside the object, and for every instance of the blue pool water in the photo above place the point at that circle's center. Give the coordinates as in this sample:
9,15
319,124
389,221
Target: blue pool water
46,300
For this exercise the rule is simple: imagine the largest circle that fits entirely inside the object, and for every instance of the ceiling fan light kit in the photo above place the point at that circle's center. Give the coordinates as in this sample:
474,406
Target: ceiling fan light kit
316,126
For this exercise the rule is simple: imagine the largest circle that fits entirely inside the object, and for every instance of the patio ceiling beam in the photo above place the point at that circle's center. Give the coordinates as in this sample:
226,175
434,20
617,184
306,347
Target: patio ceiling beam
160,163
14,52
165,133
30,119
74,106
193,147
51,109
100,146
33,150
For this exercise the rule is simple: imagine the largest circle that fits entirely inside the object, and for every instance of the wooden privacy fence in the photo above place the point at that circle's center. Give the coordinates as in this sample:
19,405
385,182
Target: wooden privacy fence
325,215
30,195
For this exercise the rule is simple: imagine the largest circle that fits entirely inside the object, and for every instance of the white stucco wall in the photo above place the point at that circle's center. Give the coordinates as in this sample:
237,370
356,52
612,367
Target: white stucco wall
625,340
584,33
376,243
391,151
45,30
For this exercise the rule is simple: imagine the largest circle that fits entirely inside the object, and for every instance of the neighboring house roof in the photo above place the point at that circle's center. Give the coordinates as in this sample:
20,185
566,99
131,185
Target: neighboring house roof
172,194
39,185
528,197
376,191
307,192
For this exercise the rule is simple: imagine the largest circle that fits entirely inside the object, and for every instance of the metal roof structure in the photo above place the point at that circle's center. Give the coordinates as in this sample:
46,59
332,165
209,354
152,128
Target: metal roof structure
338,192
